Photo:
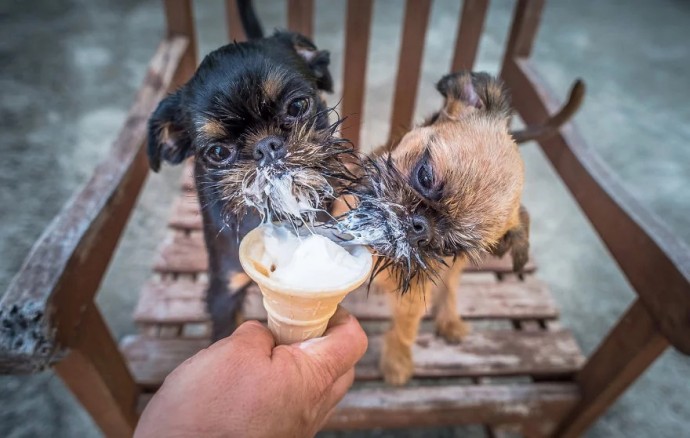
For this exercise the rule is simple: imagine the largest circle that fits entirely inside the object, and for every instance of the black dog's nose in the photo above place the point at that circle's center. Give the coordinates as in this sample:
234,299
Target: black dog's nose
420,230
269,149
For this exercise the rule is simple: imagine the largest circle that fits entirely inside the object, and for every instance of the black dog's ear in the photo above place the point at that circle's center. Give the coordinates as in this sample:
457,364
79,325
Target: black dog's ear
467,91
168,138
317,60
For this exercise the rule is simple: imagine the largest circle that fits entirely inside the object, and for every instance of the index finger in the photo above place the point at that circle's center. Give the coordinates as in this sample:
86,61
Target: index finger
343,344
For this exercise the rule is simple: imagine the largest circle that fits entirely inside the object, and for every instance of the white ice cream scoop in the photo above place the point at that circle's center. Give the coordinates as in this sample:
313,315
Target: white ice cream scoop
302,278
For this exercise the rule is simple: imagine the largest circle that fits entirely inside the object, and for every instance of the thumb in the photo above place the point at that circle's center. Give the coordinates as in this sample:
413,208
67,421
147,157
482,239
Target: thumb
343,344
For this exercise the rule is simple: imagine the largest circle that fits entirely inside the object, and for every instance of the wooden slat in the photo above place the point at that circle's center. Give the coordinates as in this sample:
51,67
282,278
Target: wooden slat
186,214
64,268
95,371
469,33
510,299
500,405
301,17
179,18
182,302
187,184
485,353
654,260
357,31
482,353
172,302
628,350
409,66
453,404
182,253
152,359
233,21
524,28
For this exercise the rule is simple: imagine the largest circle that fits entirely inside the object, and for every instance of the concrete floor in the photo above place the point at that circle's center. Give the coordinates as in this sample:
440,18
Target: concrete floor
70,69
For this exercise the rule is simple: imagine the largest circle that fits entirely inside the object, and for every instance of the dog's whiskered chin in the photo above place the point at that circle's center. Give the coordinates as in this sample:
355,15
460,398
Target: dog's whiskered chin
286,194
383,227
376,224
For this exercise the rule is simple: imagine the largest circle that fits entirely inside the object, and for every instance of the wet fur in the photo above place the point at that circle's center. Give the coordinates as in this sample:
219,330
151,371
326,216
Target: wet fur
238,96
478,173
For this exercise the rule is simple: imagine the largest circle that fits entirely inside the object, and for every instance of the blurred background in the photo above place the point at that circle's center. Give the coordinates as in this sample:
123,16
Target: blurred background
69,70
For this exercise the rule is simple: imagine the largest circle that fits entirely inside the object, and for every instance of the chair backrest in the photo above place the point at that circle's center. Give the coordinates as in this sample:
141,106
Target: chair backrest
358,21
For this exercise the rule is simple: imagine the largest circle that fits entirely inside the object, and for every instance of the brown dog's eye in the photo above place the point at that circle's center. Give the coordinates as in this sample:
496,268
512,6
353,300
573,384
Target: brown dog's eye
220,155
425,176
298,107
423,179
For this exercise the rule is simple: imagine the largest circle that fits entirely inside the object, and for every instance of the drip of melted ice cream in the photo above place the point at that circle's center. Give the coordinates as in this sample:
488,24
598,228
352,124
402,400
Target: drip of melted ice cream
311,262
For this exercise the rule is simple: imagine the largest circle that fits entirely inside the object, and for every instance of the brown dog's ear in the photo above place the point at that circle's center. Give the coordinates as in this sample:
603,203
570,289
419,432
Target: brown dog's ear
517,241
317,60
168,139
467,92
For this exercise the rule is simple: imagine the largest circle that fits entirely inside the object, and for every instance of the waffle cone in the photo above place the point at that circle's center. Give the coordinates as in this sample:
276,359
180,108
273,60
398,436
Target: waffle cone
294,314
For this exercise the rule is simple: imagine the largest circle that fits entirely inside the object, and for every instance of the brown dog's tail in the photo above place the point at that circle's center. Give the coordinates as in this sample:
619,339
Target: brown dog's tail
551,126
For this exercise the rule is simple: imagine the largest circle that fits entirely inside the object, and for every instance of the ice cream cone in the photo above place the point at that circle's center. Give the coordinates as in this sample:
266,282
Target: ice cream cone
294,314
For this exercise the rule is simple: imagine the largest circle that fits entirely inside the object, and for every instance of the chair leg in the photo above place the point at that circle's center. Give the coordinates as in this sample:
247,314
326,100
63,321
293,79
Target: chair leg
630,347
95,371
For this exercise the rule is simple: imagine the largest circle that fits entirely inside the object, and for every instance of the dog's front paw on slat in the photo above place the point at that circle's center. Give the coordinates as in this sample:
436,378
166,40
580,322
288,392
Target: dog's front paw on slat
453,330
396,361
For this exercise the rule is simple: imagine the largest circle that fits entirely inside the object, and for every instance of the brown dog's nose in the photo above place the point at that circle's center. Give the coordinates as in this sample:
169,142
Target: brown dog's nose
420,230
268,150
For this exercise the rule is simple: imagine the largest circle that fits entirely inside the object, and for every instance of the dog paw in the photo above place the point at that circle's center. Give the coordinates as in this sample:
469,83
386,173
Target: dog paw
452,330
396,364
397,371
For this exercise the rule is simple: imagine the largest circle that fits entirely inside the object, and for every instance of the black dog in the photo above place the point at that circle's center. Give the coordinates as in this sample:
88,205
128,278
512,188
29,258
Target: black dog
253,118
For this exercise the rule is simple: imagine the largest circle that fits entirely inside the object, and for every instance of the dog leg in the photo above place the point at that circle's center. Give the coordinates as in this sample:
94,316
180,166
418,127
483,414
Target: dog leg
227,282
449,325
226,291
516,240
396,356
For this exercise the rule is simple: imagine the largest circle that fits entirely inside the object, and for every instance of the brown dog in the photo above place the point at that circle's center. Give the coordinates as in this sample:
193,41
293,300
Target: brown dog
447,193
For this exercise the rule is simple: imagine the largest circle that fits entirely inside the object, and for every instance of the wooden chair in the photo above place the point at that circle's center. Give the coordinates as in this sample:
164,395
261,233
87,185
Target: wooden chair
48,317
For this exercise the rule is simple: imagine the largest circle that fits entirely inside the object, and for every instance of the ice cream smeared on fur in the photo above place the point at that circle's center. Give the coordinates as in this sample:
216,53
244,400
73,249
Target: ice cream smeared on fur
286,195
310,262
375,223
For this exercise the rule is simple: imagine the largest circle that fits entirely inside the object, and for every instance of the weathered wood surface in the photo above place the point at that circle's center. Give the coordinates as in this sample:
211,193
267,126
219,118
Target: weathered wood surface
524,28
357,31
629,349
43,306
96,373
470,28
186,213
181,301
185,253
234,23
452,404
301,17
482,353
506,406
653,259
409,66
179,19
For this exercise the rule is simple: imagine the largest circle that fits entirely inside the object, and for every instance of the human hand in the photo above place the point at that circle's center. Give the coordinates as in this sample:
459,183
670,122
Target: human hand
245,385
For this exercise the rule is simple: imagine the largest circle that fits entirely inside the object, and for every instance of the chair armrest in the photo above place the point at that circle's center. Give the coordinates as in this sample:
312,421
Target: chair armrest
655,262
44,304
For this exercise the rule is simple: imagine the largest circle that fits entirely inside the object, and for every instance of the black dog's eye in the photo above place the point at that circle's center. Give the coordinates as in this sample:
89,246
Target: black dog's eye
220,155
298,107
423,179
